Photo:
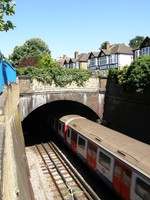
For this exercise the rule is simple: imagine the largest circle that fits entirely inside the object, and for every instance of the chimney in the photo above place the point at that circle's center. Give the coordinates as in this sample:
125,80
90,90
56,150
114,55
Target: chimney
107,45
64,56
75,54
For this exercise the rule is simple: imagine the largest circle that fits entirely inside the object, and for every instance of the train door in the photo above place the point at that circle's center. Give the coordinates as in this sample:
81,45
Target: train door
60,129
91,155
122,180
74,140
68,138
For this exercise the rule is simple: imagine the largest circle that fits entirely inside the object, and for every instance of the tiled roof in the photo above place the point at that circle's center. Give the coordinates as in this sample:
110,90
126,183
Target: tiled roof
117,48
107,52
72,60
83,57
145,43
121,48
94,53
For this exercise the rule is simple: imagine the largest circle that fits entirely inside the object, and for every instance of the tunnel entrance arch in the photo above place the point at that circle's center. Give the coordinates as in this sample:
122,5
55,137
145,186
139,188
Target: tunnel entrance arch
37,124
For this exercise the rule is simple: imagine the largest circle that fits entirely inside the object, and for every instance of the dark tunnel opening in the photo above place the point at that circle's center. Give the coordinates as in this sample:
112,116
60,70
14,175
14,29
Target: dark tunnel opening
36,126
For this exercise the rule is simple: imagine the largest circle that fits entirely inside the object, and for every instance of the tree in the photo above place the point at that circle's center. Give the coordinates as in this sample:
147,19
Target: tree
102,46
136,76
135,42
6,9
29,53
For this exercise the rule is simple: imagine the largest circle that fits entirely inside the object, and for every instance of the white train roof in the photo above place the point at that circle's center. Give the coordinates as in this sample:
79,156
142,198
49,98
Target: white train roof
134,152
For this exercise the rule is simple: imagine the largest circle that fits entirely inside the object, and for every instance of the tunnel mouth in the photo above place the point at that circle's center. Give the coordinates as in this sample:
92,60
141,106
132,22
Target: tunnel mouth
36,126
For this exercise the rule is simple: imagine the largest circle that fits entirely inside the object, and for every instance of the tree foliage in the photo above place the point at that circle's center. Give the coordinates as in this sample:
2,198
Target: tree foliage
135,42
136,76
31,50
48,71
102,46
6,9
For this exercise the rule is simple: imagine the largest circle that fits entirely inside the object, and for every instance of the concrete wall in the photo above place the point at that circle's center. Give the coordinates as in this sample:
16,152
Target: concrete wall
14,184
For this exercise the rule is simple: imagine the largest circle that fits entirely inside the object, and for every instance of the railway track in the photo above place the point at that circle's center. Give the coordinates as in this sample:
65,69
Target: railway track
68,182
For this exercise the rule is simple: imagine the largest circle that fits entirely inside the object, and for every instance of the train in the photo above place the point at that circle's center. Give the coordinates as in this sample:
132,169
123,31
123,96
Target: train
122,162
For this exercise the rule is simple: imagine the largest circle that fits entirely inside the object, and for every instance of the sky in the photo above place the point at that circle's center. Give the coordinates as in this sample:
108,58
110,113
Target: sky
67,26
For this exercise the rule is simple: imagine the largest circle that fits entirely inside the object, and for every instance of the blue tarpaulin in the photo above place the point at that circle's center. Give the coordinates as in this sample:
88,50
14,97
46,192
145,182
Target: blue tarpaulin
7,73
1,76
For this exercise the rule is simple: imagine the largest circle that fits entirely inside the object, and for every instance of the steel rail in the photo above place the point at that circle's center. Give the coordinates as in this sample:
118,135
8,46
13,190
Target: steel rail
79,180
70,190
49,172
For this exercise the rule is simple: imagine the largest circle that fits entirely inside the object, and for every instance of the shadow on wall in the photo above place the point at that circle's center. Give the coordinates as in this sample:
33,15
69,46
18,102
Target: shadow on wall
127,112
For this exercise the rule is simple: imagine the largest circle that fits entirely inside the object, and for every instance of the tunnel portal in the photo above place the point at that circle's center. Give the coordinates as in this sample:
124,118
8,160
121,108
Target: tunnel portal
36,126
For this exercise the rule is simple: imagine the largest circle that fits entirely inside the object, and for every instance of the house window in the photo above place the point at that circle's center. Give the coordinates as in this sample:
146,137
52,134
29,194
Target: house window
103,60
142,189
104,160
92,62
103,67
113,58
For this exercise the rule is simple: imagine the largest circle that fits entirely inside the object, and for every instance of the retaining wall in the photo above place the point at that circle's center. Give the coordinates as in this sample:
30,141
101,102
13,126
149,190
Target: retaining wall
15,182
127,111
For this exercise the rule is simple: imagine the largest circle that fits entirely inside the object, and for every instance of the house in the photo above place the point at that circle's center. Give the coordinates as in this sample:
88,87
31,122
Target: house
80,61
114,56
63,61
143,49
93,61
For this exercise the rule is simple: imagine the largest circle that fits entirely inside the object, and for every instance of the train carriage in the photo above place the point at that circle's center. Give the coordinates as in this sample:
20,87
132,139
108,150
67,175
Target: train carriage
122,162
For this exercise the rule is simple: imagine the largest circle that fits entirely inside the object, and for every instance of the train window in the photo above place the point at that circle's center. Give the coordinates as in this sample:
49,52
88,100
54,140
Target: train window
117,170
127,177
142,189
68,133
104,160
89,148
81,143
92,149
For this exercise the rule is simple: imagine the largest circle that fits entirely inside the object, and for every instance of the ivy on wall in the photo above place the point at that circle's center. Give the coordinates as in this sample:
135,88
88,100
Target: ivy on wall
61,76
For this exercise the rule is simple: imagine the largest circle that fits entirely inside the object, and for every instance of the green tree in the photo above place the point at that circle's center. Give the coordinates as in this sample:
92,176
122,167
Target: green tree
136,76
32,50
102,46
6,9
135,42
48,71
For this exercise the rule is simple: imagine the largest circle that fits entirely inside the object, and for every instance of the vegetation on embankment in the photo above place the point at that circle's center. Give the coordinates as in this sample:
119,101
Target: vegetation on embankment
48,71
136,77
